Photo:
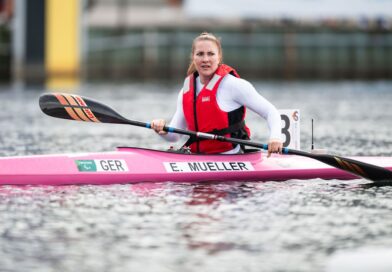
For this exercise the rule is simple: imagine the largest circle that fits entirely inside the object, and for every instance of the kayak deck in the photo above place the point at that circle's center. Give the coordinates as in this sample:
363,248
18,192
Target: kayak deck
131,165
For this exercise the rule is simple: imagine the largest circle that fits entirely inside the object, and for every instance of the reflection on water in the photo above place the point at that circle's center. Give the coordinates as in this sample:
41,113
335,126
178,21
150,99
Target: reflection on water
239,226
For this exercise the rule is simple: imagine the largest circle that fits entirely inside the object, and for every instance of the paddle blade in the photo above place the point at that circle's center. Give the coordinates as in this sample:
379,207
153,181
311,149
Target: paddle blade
75,107
361,169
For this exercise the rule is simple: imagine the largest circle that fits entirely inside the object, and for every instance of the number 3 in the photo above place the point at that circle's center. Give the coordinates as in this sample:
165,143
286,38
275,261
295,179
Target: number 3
285,129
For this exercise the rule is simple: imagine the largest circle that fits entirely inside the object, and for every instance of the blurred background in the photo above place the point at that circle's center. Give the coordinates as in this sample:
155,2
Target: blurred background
63,43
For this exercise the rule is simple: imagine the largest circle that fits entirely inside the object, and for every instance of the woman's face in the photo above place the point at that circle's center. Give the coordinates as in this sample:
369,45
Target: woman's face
206,58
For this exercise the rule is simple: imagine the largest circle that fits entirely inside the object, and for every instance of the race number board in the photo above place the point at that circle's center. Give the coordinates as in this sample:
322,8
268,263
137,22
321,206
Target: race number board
290,128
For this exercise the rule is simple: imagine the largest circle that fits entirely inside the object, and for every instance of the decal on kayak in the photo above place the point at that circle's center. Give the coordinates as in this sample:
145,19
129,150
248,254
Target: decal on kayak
101,165
207,166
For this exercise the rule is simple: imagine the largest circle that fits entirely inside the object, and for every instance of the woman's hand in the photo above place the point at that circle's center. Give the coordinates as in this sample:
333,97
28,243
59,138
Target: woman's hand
274,146
157,125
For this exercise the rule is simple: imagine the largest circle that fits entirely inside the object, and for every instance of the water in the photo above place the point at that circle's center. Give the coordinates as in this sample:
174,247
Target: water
238,226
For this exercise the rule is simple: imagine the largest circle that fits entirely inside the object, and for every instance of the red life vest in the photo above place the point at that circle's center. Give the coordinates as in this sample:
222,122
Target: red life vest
202,113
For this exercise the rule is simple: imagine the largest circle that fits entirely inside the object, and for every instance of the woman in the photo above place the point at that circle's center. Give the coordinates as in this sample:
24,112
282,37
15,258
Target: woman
214,100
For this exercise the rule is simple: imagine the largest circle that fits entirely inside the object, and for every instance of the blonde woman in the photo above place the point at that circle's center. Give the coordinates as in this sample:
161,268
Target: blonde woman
214,100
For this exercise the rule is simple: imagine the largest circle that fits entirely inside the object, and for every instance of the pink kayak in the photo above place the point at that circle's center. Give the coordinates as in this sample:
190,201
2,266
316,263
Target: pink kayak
130,165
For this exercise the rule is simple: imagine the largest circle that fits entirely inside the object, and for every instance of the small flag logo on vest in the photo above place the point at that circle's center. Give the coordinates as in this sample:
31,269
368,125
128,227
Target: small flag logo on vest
205,99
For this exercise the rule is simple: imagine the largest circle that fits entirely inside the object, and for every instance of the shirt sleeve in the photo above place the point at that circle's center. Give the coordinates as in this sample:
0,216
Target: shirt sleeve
243,93
177,121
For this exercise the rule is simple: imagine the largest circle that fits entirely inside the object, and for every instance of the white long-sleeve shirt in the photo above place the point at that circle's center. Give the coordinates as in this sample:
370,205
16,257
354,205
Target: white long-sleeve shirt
232,94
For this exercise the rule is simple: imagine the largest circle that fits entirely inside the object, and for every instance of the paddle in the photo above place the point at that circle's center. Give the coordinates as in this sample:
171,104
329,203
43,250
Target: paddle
74,107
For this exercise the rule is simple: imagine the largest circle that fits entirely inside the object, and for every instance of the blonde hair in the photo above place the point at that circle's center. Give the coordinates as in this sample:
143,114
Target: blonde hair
204,36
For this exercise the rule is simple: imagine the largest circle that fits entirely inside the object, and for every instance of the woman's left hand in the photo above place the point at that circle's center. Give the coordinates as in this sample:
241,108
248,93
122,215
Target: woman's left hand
274,146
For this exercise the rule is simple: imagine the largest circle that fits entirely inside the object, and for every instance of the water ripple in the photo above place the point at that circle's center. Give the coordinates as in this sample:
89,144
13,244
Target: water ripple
238,226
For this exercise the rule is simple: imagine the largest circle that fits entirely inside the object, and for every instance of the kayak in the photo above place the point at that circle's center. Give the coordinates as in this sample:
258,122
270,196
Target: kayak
132,165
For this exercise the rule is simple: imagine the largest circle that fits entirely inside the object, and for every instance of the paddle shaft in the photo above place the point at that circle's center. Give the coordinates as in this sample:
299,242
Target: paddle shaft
79,108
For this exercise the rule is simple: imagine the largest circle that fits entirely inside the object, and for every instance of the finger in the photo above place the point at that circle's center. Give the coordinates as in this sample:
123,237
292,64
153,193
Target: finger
154,124
161,126
269,150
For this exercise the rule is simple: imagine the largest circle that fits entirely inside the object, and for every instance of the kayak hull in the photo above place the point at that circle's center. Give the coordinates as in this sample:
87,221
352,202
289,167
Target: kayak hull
132,165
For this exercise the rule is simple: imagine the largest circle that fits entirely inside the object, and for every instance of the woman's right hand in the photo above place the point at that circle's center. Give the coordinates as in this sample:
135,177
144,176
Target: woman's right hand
274,146
157,125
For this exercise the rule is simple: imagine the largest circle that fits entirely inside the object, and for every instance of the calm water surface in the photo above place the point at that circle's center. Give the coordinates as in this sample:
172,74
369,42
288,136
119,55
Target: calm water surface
237,226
